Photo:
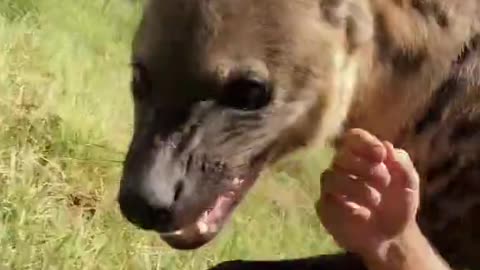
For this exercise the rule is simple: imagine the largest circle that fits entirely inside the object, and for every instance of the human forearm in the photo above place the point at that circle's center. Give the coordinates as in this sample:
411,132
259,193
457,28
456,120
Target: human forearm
408,252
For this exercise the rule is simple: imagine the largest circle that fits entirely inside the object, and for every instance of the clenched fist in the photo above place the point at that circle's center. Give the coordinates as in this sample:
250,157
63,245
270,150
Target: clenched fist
370,194
369,202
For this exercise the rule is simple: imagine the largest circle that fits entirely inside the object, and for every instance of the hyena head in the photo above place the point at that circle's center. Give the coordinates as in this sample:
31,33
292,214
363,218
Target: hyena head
221,89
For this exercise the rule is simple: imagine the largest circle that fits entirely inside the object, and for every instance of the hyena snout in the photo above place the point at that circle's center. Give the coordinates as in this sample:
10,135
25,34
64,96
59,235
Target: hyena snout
152,208
151,190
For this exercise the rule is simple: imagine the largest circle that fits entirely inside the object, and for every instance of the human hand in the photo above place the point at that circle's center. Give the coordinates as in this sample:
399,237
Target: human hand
370,195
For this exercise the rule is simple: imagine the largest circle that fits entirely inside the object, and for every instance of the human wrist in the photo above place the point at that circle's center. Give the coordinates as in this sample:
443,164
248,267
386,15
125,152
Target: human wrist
410,250
399,252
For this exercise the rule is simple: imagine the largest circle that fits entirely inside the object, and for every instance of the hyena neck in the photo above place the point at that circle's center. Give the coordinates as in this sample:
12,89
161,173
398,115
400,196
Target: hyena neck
391,95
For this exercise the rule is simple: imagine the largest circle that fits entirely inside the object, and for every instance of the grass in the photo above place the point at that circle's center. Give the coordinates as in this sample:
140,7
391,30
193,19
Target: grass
65,122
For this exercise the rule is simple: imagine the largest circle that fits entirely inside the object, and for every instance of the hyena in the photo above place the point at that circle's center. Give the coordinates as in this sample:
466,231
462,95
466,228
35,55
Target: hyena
224,88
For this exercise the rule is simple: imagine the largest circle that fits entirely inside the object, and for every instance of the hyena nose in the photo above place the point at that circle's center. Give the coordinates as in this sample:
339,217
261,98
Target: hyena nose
150,210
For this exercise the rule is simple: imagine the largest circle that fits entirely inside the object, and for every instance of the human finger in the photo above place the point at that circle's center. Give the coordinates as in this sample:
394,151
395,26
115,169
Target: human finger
336,183
364,144
376,174
401,166
334,209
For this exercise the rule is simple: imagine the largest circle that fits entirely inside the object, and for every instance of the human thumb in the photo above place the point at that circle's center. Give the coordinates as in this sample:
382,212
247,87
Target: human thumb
400,164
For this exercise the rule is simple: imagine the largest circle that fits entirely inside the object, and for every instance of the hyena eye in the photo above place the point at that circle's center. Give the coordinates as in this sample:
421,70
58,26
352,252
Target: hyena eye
141,86
246,94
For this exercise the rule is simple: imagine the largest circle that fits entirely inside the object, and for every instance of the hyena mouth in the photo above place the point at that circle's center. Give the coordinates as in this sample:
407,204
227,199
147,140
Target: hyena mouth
209,224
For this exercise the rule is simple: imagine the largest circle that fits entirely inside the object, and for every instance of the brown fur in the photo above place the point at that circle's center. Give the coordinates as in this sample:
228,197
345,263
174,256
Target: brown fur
407,71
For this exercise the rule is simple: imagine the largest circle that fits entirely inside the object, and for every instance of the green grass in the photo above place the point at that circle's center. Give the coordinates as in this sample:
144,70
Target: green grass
65,121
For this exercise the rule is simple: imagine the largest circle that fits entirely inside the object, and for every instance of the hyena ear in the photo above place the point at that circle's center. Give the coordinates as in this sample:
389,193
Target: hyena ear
354,16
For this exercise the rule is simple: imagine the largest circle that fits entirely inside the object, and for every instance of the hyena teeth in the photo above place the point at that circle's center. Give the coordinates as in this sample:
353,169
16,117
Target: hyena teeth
174,233
238,182
230,194
202,227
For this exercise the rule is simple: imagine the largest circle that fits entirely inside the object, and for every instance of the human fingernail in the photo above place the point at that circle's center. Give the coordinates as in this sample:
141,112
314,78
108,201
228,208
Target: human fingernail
381,174
403,155
407,170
